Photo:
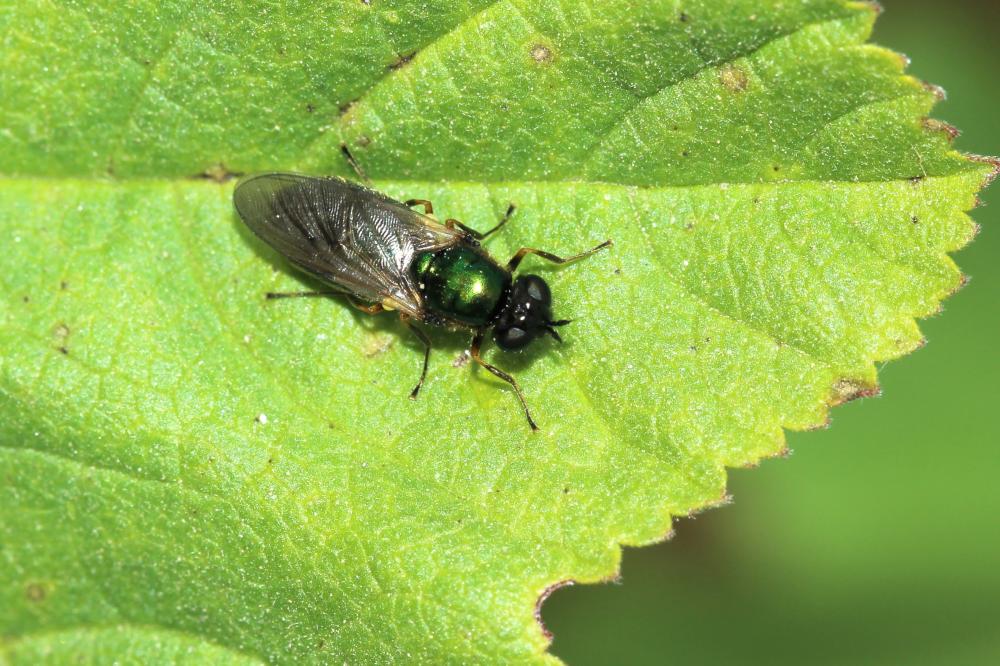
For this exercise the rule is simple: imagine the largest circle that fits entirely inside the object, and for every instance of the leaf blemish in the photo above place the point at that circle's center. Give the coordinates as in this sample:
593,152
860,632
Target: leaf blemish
35,592
375,345
734,78
218,173
541,53
61,332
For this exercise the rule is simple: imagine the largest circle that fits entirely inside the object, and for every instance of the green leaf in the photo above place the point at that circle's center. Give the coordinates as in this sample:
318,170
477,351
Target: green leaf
192,473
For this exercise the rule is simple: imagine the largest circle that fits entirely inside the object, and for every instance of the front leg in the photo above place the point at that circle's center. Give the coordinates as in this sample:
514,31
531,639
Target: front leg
477,342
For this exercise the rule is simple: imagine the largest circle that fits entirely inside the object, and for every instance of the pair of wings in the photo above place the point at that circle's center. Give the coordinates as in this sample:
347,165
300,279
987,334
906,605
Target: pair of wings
355,239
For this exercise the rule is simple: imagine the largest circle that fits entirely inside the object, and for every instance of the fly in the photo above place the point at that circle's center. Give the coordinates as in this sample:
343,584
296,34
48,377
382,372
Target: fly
381,254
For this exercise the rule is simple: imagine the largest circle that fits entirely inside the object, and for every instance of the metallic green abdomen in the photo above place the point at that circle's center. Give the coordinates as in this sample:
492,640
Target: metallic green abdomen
461,283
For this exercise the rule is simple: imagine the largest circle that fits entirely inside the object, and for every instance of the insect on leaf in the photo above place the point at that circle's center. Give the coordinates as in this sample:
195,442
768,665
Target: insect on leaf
189,469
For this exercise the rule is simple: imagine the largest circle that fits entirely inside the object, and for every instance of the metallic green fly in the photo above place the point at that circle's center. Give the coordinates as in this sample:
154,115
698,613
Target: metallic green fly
384,255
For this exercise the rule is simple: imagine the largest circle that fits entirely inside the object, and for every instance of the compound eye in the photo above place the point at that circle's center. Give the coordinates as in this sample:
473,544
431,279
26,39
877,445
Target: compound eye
512,338
536,289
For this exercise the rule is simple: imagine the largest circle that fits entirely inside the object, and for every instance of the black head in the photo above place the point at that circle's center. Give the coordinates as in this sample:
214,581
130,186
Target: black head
526,315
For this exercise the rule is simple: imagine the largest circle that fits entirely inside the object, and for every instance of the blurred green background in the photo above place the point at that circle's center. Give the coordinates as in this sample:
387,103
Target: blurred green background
878,541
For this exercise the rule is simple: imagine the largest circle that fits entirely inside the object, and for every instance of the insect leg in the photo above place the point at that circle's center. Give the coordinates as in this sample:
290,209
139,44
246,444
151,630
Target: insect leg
354,163
299,294
450,223
524,251
370,308
420,335
477,341
428,206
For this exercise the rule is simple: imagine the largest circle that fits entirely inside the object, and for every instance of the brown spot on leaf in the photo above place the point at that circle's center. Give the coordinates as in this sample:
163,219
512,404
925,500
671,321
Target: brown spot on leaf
461,360
541,53
60,333
218,173
35,592
734,78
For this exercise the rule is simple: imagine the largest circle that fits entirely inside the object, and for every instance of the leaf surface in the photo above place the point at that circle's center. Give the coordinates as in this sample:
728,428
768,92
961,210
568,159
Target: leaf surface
192,473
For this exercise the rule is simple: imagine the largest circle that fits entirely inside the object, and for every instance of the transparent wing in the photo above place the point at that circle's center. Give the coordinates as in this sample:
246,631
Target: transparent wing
353,238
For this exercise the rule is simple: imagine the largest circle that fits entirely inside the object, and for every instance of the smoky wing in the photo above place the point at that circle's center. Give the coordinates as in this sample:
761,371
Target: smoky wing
353,238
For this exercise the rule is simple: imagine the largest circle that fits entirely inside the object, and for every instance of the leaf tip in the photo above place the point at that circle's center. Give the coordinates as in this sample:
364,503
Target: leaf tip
992,162
939,93
940,127
848,390
873,6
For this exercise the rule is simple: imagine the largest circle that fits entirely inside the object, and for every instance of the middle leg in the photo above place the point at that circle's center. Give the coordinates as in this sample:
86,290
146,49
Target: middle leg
524,251
420,335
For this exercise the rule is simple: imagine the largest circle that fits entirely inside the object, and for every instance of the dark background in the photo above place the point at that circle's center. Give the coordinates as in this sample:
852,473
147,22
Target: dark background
878,541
